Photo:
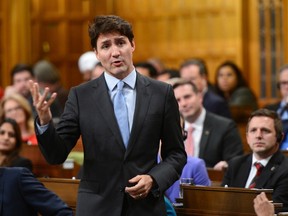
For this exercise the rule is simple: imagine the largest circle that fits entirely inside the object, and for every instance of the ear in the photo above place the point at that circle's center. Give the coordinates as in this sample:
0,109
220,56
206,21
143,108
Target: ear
133,45
96,53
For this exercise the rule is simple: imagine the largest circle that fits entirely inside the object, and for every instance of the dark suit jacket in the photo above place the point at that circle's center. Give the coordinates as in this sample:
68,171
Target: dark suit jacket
274,106
107,164
216,104
274,176
22,194
220,140
22,162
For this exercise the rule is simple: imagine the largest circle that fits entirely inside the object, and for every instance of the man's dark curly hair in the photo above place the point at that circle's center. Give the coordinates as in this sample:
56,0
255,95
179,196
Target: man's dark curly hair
109,24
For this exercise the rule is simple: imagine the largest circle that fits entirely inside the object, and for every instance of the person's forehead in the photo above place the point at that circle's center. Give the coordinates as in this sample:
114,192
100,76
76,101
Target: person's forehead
284,75
262,121
184,89
22,74
110,36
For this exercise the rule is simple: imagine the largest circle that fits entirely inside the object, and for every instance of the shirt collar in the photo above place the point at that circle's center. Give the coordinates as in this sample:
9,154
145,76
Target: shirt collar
199,121
264,162
112,81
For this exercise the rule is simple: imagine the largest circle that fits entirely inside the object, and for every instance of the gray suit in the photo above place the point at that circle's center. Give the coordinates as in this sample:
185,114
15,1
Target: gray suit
107,164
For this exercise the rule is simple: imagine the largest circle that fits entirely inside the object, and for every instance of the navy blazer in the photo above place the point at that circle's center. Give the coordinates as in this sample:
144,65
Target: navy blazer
216,104
108,165
220,140
22,194
274,176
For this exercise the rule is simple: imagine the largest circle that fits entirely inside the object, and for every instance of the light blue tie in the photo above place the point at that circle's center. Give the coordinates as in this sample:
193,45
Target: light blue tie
121,113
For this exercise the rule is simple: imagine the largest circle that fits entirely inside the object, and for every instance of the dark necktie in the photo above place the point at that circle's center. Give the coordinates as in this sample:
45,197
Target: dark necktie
259,168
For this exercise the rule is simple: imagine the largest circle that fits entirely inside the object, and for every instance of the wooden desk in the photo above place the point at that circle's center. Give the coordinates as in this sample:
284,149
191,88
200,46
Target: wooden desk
203,201
42,169
66,189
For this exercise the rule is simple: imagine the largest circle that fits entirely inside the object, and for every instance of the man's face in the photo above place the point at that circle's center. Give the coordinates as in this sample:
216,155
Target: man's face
21,82
191,73
115,53
283,84
261,136
190,103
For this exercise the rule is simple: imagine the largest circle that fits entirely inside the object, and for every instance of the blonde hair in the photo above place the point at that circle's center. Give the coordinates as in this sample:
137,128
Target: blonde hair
24,104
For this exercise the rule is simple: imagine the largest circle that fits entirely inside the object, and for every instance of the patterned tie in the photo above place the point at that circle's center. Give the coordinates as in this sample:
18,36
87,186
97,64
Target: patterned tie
189,144
121,113
259,168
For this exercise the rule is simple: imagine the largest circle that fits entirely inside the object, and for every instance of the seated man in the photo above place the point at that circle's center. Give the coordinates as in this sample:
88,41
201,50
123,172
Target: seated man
211,137
281,107
22,194
266,167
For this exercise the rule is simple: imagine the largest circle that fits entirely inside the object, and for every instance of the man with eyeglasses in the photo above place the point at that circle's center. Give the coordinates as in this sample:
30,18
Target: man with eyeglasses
281,107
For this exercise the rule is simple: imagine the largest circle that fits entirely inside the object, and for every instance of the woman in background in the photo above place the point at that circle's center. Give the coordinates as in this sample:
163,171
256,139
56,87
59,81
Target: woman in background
231,85
10,145
16,107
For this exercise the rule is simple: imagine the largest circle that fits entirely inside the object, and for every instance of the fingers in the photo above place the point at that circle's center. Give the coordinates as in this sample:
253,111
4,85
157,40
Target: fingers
142,187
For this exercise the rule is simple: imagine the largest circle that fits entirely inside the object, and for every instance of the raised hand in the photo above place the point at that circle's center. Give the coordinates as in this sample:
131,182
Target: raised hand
40,103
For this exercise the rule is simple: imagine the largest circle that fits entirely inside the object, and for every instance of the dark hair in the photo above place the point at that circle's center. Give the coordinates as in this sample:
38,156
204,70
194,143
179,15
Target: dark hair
19,68
240,79
14,153
109,24
173,73
270,114
182,82
198,62
46,72
152,70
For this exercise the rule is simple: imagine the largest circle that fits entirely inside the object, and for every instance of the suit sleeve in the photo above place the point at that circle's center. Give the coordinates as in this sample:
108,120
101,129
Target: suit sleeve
232,143
172,149
40,198
54,144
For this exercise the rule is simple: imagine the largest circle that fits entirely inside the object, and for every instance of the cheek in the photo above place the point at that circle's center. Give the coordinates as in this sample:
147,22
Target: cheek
12,145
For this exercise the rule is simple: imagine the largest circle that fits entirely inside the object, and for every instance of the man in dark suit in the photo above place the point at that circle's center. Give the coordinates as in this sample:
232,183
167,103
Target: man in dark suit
22,194
215,139
264,133
120,177
195,70
281,107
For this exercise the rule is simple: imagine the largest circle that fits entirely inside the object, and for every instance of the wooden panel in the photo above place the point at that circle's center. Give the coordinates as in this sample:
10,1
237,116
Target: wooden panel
42,169
66,189
185,29
219,200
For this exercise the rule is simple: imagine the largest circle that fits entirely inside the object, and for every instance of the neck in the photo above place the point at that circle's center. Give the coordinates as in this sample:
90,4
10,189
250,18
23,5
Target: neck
191,119
2,157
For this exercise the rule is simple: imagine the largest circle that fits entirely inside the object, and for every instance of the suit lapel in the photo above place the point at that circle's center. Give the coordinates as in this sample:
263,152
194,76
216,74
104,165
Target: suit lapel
105,107
205,136
269,169
243,172
143,96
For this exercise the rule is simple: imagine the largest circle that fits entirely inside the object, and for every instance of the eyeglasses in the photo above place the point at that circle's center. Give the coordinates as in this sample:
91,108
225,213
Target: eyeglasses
13,109
283,83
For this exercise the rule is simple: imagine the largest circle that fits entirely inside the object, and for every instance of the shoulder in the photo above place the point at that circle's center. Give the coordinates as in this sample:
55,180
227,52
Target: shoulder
273,106
22,162
243,91
239,160
218,120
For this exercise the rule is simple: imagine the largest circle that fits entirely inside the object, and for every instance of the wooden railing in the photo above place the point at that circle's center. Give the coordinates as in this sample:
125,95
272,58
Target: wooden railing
202,201
66,189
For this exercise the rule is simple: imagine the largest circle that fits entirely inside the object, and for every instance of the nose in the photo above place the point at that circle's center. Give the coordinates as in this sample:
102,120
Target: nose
258,134
115,51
